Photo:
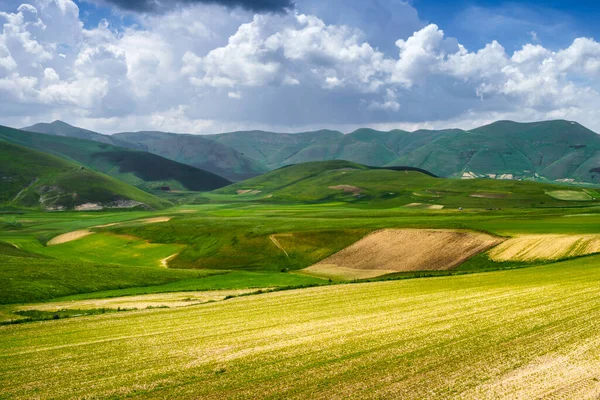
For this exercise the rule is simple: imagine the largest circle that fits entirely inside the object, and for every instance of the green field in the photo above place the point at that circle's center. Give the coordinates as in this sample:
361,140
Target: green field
208,300
527,333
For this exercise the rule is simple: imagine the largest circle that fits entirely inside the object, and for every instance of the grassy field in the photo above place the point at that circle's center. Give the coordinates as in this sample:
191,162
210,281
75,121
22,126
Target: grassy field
528,333
488,320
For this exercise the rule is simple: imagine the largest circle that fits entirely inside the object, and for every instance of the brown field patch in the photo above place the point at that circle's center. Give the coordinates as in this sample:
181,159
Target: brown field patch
402,250
154,220
178,299
546,247
489,195
69,237
248,191
347,189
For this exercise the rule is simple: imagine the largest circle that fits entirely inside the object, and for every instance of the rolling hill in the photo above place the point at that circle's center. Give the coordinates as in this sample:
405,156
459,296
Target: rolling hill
32,179
141,169
328,181
552,150
555,150
196,151
543,151
192,150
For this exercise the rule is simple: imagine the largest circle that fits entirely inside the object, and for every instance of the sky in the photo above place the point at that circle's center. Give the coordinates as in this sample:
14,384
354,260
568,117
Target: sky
210,66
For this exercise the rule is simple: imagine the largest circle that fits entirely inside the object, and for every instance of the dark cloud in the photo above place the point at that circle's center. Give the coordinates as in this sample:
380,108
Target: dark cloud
157,6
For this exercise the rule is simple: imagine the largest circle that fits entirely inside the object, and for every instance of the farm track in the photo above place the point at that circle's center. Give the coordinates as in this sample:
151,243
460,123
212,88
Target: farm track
530,333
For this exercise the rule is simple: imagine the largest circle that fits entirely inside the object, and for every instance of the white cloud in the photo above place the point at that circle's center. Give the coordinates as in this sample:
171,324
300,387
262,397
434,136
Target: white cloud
183,70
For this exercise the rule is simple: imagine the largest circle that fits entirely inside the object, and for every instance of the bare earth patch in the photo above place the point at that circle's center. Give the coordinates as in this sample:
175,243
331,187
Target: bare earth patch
69,237
347,189
179,299
545,247
489,195
154,220
248,191
402,250
425,206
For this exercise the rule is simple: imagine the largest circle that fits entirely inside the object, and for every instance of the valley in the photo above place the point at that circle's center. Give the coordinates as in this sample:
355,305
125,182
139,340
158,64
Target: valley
364,281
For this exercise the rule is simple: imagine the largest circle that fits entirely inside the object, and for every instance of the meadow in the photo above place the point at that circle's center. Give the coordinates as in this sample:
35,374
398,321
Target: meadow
212,300
528,333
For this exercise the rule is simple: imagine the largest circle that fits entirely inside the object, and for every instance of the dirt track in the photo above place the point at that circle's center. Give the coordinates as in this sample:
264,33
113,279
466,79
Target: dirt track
400,250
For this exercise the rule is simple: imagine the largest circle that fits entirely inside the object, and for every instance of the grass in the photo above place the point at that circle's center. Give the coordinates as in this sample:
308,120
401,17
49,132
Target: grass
570,195
380,188
114,249
26,279
33,179
525,333
222,281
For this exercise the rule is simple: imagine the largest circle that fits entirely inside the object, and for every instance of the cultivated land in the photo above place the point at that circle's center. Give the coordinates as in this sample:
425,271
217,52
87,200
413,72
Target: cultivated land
527,333
402,250
505,307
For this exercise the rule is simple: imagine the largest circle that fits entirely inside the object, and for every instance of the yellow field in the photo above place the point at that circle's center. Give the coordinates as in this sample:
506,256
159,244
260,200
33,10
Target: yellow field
545,247
177,299
402,250
522,334
69,237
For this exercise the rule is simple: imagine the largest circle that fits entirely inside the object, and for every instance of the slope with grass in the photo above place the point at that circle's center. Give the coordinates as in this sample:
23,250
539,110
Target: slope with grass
37,180
375,187
196,151
529,333
139,168
556,150
549,150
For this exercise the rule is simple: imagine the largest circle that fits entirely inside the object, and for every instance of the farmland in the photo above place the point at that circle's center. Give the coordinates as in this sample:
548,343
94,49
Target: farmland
345,296
526,333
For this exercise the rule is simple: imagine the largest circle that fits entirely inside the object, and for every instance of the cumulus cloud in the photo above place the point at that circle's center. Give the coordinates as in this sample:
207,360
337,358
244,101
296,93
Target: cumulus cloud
205,68
153,6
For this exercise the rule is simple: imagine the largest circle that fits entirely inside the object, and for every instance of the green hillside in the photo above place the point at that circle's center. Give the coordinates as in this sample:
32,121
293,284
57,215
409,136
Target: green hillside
60,128
543,151
196,151
555,150
141,169
32,179
354,183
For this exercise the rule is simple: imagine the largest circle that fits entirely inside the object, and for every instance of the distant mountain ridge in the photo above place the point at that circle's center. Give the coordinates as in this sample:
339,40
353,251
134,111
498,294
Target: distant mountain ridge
545,151
138,168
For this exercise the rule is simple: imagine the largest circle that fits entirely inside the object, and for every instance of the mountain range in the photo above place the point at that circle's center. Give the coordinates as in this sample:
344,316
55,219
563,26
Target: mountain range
557,150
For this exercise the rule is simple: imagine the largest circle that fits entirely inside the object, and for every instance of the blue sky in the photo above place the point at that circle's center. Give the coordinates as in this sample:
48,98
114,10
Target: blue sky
205,66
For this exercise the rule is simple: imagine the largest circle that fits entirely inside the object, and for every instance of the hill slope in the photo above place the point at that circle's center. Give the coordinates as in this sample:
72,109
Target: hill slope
551,150
556,150
354,183
32,179
141,169
196,151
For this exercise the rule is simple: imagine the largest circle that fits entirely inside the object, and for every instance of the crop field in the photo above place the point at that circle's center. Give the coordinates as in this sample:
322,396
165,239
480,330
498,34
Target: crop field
402,250
355,296
527,333
546,247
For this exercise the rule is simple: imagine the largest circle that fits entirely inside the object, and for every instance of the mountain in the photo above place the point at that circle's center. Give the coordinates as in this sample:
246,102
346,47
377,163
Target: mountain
33,179
192,150
344,181
555,150
543,151
196,151
59,128
141,169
